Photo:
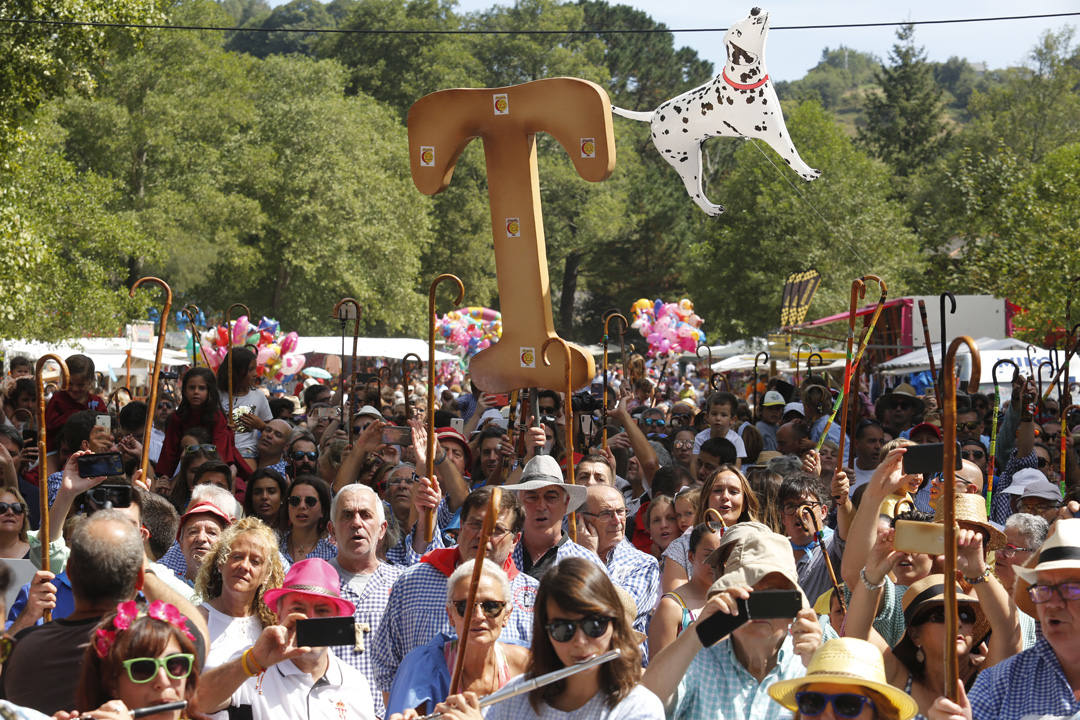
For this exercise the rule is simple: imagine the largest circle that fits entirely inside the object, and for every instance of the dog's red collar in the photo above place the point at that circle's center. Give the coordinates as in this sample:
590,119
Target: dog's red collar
740,86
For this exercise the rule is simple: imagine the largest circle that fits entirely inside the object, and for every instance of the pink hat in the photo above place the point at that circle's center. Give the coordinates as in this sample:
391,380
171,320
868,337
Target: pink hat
204,508
314,577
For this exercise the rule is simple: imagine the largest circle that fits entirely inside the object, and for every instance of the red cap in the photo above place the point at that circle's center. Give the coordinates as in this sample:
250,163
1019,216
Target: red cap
926,427
204,508
449,434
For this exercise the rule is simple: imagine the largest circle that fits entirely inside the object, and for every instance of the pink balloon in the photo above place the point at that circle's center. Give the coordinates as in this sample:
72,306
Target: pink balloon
292,363
240,330
288,344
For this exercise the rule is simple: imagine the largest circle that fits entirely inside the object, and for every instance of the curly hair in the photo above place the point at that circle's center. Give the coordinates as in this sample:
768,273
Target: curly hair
208,583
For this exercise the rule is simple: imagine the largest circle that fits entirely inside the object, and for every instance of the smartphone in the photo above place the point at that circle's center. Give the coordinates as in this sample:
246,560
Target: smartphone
395,435
109,495
597,390
458,424
100,465
762,605
928,459
915,536
30,437
500,399
104,421
329,631
587,425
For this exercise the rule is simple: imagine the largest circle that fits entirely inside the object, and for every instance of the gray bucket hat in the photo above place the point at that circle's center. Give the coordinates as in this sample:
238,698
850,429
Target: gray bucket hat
543,471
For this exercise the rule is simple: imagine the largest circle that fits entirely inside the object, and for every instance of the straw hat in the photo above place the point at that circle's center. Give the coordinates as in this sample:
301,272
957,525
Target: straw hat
971,515
929,591
903,391
1061,551
748,551
846,661
543,471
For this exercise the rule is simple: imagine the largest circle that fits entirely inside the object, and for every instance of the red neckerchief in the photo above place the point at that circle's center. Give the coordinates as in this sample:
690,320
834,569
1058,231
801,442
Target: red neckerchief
446,559
741,86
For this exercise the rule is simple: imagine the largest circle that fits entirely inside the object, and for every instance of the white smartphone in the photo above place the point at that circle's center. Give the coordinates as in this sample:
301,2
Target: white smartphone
104,421
587,425
458,424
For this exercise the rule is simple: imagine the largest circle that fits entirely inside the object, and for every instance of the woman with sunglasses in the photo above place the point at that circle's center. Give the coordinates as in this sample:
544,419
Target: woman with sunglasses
682,446
578,615
679,607
727,494
194,455
200,407
264,497
138,658
308,511
423,678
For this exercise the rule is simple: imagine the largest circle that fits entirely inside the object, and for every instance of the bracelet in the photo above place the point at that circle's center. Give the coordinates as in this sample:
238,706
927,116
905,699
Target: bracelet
980,579
249,655
869,585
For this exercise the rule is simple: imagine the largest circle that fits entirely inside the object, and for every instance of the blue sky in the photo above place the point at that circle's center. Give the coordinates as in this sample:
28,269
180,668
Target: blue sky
791,53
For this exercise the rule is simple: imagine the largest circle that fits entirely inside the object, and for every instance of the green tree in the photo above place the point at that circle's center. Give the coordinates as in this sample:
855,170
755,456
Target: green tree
904,125
292,16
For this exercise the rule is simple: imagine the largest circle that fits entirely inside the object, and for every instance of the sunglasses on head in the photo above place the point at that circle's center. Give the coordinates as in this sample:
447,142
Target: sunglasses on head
845,705
308,500
491,608
200,448
966,616
311,455
16,507
563,630
144,669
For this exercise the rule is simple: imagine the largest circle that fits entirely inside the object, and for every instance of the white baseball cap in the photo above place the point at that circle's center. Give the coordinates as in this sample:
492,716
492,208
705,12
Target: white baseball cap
772,398
1021,479
796,406
1043,489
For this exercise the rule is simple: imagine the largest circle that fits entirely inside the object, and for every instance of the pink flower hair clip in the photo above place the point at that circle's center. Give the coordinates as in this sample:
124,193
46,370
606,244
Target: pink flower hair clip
127,612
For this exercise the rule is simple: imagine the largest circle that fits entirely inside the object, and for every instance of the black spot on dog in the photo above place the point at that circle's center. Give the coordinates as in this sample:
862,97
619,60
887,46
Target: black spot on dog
685,120
758,128
661,118
764,101
666,132
733,128
682,159
749,99
730,101
685,130
677,109
707,106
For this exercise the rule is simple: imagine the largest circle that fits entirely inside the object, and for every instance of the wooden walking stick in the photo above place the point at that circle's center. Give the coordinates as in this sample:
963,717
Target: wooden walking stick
757,409
490,518
43,485
929,351
406,379
708,352
948,498
229,355
603,401
341,312
191,312
144,463
798,359
1039,376
568,414
1064,432
430,419
810,363
993,428
952,311
805,511
1063,370
719,518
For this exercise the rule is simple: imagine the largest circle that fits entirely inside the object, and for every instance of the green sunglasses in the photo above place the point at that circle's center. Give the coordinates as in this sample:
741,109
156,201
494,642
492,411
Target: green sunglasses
144,669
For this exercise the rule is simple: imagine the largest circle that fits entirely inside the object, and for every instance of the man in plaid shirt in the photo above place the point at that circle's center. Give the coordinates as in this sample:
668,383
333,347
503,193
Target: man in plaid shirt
416,609
358,524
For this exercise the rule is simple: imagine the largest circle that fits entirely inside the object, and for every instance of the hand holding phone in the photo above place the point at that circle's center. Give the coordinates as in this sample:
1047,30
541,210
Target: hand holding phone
100,465
394,435
326,631
739,605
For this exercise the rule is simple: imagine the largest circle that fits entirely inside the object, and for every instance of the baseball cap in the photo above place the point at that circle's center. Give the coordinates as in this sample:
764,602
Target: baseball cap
772,398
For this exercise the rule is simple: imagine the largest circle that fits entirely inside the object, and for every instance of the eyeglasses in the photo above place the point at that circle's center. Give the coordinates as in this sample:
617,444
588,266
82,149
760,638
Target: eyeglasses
1035,508
309,501
17,508
845,705
684,444
498,532
403,479
1009,550
299,455
607,515
491,608
972,426
792,509
1051,438
972,454
903,405
563,630
200,448
966,616
1066,591
143,670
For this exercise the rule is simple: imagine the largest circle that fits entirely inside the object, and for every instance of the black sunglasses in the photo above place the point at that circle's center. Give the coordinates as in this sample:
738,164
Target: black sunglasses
295,500
16,507
937,615
491,608
1043,463
845,705
299,455
972,454
563,630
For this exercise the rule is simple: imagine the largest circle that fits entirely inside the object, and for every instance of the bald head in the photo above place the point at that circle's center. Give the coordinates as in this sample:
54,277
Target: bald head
972,476
274,438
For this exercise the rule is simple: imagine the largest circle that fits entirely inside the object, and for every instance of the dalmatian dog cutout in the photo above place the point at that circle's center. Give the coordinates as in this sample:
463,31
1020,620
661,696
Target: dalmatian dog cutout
739,102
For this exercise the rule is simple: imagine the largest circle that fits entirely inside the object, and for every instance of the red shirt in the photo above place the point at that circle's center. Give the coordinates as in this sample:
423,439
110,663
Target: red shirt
61,407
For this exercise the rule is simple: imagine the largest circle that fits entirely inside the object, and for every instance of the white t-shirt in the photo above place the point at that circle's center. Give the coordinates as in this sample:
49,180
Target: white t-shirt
285,691
640,704
229,636
732,436
256,402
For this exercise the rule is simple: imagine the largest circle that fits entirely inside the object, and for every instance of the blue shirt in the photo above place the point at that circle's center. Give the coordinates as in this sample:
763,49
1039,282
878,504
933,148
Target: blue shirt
1031,683
564,549
638,574
422,677
65,601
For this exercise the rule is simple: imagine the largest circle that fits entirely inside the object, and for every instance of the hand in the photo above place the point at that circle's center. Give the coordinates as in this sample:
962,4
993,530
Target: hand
369,440
725,602
277,643
250,421
806,634
460,707
970,560
840,488
811,462
112,710
42,597
28,457
1071,509
620,440
409,714
622,411
586,533
483,403
945,709
535,439
882,557
609,457
419,442
889,477
137,480
426,495
506,448
71,482
100,440
130,447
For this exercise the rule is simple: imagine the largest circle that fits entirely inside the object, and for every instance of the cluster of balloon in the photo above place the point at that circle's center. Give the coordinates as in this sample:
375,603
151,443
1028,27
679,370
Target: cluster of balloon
275,352
450,373
667,327
469,330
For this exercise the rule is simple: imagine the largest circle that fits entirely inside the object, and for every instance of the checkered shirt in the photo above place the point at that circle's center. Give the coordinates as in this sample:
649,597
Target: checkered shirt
323,549
716,685
52,483
638,574
1001,503
1031,683
370,607
174,560
567,549
416,612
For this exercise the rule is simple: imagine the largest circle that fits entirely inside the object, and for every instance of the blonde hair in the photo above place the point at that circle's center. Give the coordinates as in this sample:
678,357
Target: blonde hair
208,583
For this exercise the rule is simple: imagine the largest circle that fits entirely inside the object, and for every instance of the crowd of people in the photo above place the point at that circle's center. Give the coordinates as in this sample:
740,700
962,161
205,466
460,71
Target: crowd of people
743,560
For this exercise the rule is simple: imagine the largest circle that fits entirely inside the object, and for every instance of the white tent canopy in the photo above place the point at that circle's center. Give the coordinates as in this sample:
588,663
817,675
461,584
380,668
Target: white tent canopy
395,348
109,354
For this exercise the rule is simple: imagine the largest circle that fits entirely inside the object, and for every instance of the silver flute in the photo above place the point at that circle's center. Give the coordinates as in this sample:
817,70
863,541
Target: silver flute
536,682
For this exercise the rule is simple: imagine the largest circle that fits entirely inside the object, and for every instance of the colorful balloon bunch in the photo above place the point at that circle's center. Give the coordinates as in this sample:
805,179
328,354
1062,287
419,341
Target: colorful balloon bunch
275,352
667,327
469,330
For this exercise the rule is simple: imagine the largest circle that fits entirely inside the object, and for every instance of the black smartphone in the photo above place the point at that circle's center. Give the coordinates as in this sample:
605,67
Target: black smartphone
396,435
109,495
329,631
928,459
762,605
30,437
101,465
597,390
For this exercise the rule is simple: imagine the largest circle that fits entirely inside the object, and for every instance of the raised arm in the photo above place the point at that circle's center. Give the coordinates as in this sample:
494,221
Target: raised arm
886,480
994,600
